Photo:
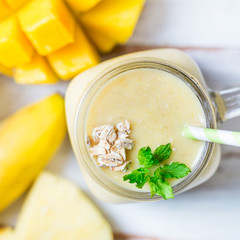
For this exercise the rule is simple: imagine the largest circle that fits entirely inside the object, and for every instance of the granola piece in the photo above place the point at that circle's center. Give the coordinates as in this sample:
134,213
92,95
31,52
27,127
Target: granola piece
108,133
97,150
97,132
127,143
124,127
105,144
122,168
88,141
112,159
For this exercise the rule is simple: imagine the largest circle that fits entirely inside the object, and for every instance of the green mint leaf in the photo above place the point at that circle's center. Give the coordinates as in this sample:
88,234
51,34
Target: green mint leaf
162,153
160,186
145,157
174,170
137,176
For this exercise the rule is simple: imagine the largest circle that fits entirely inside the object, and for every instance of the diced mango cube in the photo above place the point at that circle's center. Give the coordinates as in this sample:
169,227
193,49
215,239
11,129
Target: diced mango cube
6,71
48,24
115,19
82,5
74,58
5,10
103,43
15,4
35,72
15,48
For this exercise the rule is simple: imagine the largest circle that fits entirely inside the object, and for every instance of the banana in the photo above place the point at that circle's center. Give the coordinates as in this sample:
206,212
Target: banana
6,233
28,139
56,209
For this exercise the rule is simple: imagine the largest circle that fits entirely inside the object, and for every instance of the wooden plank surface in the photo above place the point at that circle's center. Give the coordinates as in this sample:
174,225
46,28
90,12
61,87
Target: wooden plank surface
208,31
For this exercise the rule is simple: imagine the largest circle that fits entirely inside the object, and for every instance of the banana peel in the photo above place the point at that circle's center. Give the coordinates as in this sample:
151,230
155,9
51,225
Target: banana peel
28,140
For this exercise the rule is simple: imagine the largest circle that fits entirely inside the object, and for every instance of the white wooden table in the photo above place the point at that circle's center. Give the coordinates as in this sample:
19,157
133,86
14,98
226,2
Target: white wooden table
209,31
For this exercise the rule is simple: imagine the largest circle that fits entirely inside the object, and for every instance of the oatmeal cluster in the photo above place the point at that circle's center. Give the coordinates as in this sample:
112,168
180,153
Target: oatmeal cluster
109,145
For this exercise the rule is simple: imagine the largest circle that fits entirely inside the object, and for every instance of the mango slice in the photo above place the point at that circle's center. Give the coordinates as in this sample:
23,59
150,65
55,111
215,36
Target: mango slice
56,209
15,4
35,72
103,43
115,19
6,71
6,233
28,139
48,24
74,58
5,10
82,5
15,49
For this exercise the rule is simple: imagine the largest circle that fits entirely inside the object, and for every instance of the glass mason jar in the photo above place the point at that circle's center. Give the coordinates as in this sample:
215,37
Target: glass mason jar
217,107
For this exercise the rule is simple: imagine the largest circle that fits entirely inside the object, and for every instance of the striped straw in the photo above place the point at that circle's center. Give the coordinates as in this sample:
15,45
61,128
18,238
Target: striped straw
213,135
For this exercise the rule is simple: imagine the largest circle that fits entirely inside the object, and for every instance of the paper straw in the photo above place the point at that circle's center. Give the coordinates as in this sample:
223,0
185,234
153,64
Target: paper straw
213,135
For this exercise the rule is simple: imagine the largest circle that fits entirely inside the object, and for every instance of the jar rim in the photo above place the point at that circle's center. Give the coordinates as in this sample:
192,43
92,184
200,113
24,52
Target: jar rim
98,83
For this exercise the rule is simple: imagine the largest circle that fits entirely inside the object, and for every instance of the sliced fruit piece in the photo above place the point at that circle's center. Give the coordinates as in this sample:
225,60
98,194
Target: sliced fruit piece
115,19
6,71
6,233
35,72
75,57
28,139
56,209
15,4
82,5
103,43
48,24
15,48
5,10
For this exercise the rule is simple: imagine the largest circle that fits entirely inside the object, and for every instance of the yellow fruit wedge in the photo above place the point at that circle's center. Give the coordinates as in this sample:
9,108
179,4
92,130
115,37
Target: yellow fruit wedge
15,49
103,43
6,71
6,233
5,10
82,5
48,24
56,209
115,19
28,139
38,71
15,4
74,58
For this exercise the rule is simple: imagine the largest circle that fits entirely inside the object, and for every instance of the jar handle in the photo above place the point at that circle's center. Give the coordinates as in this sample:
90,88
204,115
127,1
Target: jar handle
227,103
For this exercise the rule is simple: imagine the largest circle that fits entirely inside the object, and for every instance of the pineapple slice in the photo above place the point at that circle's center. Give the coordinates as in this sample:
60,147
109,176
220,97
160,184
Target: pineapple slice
103,43
6,233
28,139
37,71
15,49
5,10
56,209
82,5
48,24
74,58
6,71
115,19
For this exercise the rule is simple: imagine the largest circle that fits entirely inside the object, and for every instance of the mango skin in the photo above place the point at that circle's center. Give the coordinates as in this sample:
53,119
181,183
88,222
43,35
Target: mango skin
28,140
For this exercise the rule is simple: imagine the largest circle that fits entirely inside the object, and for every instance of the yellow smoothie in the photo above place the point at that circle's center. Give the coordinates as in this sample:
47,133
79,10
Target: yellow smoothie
158,105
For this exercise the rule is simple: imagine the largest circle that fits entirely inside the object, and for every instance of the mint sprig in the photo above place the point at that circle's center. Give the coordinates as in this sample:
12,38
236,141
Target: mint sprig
158,183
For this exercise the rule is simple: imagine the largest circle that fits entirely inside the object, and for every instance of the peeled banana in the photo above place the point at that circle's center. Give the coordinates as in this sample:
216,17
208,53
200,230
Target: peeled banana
28,139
